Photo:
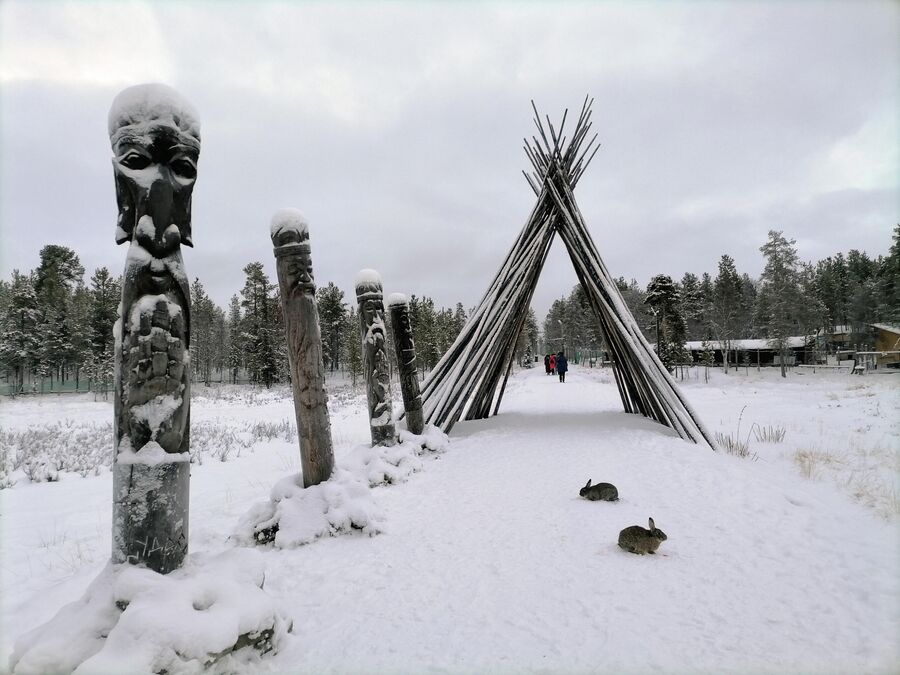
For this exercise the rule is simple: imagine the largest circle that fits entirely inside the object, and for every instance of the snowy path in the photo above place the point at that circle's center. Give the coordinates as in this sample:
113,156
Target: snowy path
492,563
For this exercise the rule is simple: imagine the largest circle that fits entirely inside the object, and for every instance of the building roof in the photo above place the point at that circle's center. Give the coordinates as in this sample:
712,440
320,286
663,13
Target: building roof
887,327
745,345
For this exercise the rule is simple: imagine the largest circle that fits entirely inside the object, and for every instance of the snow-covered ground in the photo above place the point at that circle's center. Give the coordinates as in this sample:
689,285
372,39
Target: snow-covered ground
490,562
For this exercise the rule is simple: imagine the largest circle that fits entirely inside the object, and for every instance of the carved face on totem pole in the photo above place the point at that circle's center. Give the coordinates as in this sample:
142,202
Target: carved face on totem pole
370,297
155,138
404,331
290,237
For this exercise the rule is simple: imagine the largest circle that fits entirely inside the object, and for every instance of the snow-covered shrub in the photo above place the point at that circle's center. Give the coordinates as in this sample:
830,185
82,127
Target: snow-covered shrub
295,515
239,394
132,619
7,460
382,465
217,440
44,452
268,431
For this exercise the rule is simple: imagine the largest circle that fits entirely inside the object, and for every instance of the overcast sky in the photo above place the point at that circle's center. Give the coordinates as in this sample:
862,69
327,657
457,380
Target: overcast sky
397,129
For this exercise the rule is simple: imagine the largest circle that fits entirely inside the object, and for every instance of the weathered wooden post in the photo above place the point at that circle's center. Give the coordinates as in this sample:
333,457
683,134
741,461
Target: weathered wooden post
155,137
370,297
405,349
290,236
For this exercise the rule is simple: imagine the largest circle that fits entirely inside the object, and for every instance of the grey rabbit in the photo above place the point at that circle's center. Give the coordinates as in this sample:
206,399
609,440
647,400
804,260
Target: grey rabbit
638,540
606,492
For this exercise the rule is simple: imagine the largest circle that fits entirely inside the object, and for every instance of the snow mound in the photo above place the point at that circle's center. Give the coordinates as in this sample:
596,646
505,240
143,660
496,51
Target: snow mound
295,515
397,299
289,219
431,439
148,102
132,619
382,465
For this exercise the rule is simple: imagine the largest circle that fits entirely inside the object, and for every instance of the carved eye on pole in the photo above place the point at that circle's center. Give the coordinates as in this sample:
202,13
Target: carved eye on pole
184,168
135,160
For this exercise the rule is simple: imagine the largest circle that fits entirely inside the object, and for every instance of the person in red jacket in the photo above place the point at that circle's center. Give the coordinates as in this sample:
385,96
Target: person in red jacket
552,363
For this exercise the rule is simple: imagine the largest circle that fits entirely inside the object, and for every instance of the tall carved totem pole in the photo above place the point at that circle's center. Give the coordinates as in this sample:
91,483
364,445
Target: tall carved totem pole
370,296
155,137
290,237
405,349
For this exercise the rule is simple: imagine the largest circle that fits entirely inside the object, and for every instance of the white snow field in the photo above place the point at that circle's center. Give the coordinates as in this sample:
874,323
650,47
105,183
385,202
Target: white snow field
489,562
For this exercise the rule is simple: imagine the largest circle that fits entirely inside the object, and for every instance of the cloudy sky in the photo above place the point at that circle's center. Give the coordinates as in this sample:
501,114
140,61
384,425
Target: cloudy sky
397,129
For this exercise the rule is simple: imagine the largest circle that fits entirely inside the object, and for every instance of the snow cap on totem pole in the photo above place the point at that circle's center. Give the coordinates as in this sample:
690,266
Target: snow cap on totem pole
289,226
368,283
397,299
137,108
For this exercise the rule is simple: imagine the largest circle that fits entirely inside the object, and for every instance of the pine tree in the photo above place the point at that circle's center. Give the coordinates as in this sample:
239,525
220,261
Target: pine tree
425,335
202,316
332,310
707,358
282,372
259,334
235,355
81,353
634,296
664,300
691,306
459,319
106,293
19,339
554,327
219,341
782,304
888,283
56,278
352,356
724,312
747,308
527,344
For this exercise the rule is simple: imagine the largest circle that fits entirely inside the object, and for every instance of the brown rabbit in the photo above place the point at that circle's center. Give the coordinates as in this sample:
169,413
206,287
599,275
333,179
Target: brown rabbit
638,540
606,492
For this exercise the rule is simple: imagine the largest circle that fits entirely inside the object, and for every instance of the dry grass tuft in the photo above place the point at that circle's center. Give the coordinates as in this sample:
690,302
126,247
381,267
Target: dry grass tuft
769,433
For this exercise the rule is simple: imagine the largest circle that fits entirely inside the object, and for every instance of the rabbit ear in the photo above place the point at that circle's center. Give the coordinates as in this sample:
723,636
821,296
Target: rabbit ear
588,484
652,524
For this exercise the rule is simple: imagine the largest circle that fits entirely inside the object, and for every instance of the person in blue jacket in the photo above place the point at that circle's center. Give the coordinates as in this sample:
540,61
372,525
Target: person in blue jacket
562,365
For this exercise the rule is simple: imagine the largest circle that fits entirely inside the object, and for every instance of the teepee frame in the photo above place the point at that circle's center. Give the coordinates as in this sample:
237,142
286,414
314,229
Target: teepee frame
470,378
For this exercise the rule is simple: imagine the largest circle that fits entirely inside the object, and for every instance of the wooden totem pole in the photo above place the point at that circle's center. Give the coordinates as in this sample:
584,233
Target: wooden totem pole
370,296
405,349
155,137
290,236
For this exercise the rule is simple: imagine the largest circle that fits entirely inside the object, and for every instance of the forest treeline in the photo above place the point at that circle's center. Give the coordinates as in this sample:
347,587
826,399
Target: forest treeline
790,298
57,328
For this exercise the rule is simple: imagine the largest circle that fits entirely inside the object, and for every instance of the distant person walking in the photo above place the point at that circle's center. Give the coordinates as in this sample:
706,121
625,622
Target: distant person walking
547,363
562,365
552,363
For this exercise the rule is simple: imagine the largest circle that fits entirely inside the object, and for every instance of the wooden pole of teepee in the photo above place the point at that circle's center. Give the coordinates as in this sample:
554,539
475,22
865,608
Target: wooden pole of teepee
474,371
